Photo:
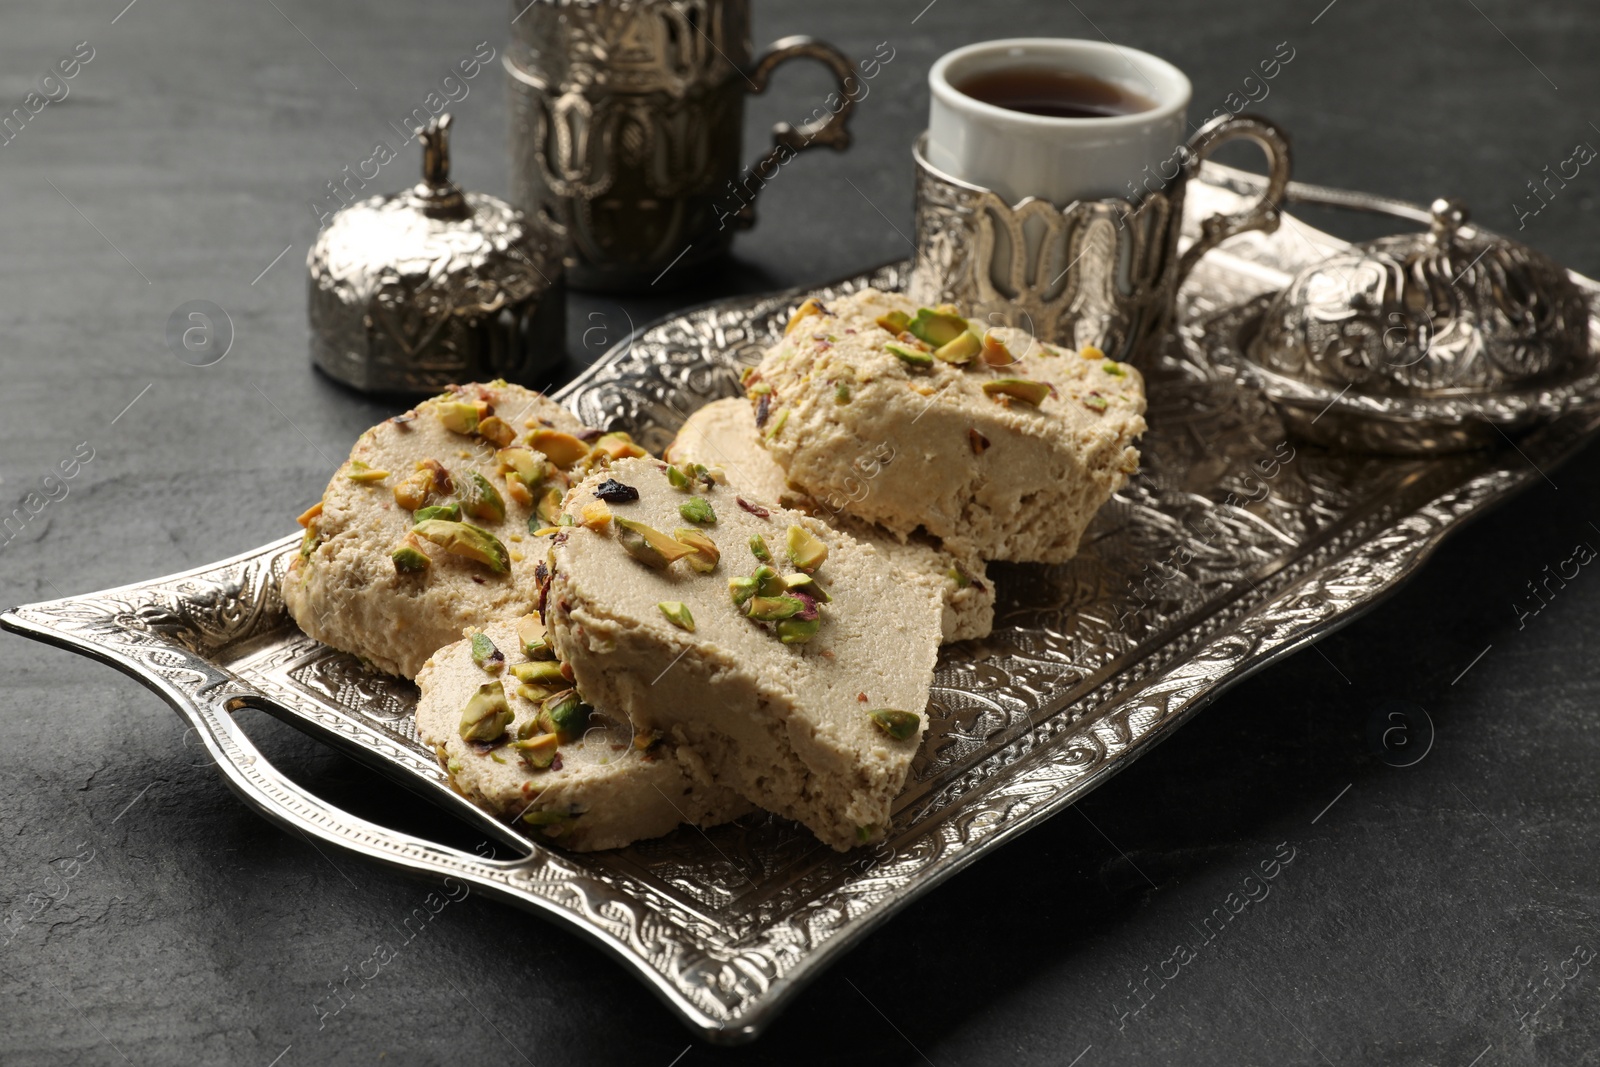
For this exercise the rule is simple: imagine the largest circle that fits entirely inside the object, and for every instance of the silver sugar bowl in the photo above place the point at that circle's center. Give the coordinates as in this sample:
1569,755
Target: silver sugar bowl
416,290
1419,343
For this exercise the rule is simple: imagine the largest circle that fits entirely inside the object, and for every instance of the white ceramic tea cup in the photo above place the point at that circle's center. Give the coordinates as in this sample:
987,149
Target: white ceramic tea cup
1019,155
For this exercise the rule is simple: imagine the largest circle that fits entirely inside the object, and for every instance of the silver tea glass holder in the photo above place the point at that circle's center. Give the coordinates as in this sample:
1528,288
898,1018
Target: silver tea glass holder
1091,272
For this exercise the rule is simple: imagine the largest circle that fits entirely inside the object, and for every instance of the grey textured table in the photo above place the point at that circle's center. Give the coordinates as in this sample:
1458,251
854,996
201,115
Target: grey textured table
1444,913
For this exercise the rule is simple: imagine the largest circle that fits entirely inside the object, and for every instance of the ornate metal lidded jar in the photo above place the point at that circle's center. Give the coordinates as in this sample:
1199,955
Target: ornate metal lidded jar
1418,343
413,291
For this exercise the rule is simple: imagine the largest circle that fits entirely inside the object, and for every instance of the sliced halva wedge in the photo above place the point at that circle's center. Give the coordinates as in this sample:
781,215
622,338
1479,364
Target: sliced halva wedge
916,419
791,658
425,529
538,756
723,434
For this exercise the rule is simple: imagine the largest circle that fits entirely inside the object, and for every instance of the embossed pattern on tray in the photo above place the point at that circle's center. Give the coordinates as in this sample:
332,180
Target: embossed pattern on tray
1232,546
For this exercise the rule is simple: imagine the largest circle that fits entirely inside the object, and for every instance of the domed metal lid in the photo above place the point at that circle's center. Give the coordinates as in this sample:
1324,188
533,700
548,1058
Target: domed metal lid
433,285
434,230
1448,312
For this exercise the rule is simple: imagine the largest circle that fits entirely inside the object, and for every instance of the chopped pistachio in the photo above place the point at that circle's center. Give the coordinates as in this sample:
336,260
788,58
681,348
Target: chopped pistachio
913,357
677,613
485,655
841,393
523,463
1113,368
548,510
959,576
534,692
467,540
706,553
1095,402
362,474
649,545
487,714
759,389
805,583
895,322
798,631
449,512
1029,392
863,833
562,449
480,499
937,326
534,644
775,608
550,819
995,353
960,350
517,490
309,542
410,559
741,590
539,672
430,479
595,515
806,550
496,431
758,548
679,480
769,582
459,416
900,725
412,491
804,311
538,752
563,714
778,423
619,445
698,509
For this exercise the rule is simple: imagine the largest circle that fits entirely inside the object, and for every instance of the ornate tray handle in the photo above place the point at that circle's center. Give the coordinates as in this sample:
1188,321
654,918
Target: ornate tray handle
208,697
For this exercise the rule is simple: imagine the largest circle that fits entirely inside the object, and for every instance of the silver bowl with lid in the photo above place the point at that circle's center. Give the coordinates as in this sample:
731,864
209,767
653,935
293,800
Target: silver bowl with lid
1419,343
417,290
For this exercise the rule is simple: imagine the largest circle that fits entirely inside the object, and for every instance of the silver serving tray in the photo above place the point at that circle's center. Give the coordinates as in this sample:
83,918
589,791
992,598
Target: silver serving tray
1231,549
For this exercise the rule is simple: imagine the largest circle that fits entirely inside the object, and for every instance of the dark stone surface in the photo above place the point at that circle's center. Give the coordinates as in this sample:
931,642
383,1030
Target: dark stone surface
1420,914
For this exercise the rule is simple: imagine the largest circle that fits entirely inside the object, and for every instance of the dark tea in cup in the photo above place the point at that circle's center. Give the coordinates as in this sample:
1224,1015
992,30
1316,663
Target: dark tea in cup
1053,92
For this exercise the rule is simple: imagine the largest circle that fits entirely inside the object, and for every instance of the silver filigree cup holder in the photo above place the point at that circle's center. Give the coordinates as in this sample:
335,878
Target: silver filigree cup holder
1100,272
626,121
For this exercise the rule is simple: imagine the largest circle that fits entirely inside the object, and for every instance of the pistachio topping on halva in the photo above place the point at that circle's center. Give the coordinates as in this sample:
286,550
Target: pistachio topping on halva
519,741
723,434
996,443
753,667
427,528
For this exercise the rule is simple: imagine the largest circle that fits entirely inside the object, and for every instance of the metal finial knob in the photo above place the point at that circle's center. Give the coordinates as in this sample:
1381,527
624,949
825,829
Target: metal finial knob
1449,215
435,138
438,194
